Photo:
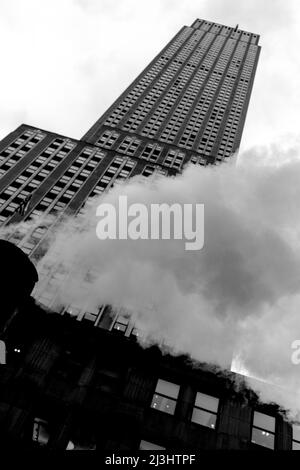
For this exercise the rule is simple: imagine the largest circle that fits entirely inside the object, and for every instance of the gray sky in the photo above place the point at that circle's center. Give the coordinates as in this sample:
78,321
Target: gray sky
65,61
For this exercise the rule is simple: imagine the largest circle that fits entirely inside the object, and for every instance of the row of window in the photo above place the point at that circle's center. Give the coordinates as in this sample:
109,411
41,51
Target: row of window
206,409
151,152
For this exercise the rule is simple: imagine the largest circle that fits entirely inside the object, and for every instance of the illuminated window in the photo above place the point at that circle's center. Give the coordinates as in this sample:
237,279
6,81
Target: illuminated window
263,430
165,396
205,411
296,437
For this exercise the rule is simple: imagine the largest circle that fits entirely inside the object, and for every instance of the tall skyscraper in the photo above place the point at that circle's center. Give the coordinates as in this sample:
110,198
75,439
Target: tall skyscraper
191,99
188,105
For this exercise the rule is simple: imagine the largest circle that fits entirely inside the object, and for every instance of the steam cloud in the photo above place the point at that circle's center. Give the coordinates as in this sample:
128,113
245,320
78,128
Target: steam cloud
239,295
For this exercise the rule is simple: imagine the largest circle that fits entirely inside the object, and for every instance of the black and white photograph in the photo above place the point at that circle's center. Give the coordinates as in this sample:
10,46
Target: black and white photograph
149,229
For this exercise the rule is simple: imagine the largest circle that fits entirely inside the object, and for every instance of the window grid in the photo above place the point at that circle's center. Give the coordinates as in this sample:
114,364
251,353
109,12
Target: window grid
230,132
162,84
177,119
19,148
198,160
209,52
151,152
154,169
120,168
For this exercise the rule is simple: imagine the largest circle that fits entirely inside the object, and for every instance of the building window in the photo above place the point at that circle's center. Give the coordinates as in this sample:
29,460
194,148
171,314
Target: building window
150,169
129,145
198,160
151,152
74,446
40,431
2,352
205,411
296,437
165,396
146,445
174,159
263,430
90,316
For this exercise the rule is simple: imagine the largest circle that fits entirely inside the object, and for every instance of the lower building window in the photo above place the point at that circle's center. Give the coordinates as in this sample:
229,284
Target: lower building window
263,430
2,352
296,437
146,445
205,411
165,396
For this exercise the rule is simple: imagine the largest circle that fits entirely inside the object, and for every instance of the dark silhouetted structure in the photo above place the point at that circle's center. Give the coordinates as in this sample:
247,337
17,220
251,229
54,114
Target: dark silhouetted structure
18,277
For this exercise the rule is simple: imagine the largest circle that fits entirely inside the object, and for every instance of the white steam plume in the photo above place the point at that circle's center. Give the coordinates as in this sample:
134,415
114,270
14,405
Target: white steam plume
240,293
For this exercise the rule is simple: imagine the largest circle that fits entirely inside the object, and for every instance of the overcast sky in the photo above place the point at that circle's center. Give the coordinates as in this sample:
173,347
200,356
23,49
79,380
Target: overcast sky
65,61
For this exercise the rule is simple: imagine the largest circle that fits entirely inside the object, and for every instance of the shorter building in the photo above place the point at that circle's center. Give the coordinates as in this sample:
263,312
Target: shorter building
70,385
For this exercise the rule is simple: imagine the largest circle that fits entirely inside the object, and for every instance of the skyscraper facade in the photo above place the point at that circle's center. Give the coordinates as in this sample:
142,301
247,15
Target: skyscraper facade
188,105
